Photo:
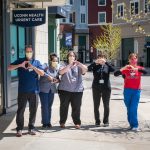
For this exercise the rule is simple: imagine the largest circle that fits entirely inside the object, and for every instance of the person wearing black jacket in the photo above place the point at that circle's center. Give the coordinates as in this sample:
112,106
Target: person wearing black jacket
101,87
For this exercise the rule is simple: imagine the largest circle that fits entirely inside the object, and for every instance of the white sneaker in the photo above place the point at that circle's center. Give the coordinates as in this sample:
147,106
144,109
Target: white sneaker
136,129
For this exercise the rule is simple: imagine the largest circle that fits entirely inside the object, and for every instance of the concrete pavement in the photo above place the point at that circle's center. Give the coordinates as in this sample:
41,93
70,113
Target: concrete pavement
88,137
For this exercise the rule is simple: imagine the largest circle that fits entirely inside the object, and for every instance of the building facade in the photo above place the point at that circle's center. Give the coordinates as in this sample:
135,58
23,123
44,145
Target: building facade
133,17
14,38
75,26
99,13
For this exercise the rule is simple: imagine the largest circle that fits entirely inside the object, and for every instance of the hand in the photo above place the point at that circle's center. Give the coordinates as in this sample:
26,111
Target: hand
55,80
128,67
100,61
24,64
30,66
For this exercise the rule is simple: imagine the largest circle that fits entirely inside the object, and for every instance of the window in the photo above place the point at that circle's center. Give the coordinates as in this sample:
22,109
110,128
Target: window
70,18
71,2
102,17
101,2
63,20
134,7
82,18
82,2
147,6
120,10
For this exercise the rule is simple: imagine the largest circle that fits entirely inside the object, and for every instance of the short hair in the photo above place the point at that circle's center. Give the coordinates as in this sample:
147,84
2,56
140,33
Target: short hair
28,46
133,55
101,56
52,56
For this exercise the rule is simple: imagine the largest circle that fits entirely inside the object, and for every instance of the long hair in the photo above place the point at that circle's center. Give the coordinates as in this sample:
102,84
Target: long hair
69,54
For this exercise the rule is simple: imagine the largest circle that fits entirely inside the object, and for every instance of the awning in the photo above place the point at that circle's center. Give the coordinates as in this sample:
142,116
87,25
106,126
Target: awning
57,12
45,2
82,31
147,45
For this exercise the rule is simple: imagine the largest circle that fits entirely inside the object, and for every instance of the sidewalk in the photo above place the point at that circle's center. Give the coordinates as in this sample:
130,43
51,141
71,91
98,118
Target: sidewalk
88,137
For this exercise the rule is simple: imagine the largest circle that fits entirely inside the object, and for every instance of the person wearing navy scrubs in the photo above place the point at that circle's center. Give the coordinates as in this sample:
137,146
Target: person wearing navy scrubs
28,71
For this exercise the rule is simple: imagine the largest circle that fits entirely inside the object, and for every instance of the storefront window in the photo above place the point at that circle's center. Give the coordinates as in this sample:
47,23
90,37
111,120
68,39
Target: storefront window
17,38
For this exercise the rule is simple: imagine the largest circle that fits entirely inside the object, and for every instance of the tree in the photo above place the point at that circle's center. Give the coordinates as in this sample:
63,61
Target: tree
108,41
63,53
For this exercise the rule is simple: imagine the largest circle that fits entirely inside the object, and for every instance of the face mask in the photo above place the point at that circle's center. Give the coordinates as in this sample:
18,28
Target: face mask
54,64
133,61
29,55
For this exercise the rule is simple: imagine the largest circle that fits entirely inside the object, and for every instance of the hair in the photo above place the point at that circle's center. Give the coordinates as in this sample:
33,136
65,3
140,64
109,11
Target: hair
28,46
70,53
101,56
132,55
52,56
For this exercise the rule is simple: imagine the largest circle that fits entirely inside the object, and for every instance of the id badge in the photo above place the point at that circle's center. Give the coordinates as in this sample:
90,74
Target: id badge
101,81
30,69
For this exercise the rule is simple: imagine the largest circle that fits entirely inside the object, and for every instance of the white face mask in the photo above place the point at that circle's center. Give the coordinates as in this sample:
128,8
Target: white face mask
54,64
29,55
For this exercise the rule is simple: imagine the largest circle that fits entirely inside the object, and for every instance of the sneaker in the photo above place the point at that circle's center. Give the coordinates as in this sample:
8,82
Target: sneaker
77,126
136,129
19,133
32,132
62,125
106,124
97,124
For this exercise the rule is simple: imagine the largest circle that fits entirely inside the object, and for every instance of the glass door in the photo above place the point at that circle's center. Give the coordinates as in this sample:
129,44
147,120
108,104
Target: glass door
0,85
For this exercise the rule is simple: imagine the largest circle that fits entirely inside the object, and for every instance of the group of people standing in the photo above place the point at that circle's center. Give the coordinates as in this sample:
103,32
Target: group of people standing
68,77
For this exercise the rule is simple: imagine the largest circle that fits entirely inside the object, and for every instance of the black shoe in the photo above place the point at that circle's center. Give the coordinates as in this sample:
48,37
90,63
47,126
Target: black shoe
44,126
49,125
97,123
32,131
106,124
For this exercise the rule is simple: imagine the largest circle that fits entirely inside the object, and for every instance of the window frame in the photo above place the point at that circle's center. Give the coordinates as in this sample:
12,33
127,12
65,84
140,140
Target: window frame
71,1
146,11
103,12
82,3
100,4
133,2
120,4
71,18
81,18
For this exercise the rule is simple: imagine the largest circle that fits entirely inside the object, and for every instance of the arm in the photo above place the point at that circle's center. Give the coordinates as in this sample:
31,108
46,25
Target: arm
37,70
16,66
111,68
117,73
142,70
90,67
83,67
13,67
65,69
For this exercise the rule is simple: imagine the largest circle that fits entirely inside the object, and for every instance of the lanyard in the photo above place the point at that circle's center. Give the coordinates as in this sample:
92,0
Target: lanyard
100,70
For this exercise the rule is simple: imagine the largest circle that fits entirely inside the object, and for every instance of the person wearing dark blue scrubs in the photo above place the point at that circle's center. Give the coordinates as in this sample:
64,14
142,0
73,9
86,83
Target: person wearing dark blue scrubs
28,89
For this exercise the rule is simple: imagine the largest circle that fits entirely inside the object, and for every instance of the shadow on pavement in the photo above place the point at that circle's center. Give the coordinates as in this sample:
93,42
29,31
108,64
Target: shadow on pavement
5,121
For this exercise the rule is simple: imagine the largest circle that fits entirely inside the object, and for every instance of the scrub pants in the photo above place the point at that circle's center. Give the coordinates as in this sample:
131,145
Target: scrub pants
131,100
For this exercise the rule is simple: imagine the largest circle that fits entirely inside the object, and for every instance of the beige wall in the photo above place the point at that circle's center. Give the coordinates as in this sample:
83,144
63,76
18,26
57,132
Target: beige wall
41,42
128,30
